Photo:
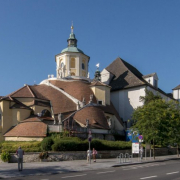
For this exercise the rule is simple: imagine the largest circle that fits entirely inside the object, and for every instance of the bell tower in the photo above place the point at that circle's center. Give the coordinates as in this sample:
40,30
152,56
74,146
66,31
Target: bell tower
72,62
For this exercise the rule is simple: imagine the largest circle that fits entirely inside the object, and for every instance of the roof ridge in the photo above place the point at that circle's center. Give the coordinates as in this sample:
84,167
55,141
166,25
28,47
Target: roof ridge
9,95
30,91
63,92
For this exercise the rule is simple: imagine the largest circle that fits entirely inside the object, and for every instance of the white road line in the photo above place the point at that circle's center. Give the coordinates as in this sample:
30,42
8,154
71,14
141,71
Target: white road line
74,176
148,177
105,172
172,173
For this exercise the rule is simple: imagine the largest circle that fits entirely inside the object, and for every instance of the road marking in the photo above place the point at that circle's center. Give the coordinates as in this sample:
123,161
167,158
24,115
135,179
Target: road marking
148,177
105,172
172,173
74,176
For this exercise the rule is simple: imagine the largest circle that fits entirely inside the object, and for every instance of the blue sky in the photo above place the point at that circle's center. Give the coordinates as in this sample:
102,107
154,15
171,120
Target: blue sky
145,33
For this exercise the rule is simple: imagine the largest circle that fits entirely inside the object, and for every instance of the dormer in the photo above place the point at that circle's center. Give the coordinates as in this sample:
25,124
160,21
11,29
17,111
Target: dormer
106,76
152,79
101,92
176,93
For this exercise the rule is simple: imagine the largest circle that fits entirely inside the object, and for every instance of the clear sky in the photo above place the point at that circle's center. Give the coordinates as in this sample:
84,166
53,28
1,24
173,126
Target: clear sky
145,33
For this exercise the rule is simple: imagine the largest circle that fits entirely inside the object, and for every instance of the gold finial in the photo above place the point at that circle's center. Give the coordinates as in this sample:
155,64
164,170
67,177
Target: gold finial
72,27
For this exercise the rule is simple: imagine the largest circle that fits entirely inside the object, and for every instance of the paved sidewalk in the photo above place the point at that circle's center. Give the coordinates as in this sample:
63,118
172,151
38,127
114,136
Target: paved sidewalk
8,170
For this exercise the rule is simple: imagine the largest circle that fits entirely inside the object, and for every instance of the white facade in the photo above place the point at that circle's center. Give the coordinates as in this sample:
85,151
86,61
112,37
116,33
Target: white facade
125,101
176,94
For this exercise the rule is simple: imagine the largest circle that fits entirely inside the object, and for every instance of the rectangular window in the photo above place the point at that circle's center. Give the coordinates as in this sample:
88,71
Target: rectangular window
100,102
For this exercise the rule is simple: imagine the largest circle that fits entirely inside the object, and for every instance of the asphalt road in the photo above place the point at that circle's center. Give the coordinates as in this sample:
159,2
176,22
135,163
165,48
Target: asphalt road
167,170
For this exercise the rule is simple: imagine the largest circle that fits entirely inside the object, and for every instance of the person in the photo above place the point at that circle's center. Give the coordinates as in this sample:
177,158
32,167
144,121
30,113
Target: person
88,155
94,155
20,154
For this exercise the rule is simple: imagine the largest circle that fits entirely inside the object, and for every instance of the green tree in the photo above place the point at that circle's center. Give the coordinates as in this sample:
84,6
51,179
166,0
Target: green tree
152,122
150,96
174,127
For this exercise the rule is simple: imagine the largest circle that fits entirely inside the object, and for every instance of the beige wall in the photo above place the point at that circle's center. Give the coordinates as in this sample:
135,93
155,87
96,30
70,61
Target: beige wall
10,117
102,93
7,120
26,101
38,109
19,115
24,138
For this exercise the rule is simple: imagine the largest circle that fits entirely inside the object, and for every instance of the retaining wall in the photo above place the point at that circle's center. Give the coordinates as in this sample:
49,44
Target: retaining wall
81,155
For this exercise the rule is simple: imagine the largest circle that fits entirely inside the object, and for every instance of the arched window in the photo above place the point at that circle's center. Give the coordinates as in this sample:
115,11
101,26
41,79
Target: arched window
45,113
83,64
72,74
72,64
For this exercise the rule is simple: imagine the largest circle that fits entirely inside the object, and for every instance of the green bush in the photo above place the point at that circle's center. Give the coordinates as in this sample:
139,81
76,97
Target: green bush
5,156
46,144
11,146
65,145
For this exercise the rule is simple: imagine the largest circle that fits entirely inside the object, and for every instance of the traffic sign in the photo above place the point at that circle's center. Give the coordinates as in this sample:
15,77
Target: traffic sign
140,137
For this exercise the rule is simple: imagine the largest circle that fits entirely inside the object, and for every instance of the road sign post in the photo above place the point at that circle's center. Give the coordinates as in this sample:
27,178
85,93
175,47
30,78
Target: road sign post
89,139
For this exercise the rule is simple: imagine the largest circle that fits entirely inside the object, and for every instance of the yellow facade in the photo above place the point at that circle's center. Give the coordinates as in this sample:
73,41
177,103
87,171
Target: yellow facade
102,93
10,116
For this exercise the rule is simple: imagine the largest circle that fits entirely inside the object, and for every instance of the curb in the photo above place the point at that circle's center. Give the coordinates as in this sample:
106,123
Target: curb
160,160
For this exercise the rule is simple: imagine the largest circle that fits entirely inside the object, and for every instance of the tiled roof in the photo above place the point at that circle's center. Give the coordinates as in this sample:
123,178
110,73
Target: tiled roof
111,110
125,75
78,89
29,128
149,75
98,83
177,87
95,116
59,101
22,92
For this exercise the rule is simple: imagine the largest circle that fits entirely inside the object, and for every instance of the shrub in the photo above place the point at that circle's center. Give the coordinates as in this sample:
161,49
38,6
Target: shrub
46,144
5,156
43,155
65,145
11,146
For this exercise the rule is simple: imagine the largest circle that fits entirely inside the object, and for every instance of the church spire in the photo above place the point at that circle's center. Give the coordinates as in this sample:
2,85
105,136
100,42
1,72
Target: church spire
72,41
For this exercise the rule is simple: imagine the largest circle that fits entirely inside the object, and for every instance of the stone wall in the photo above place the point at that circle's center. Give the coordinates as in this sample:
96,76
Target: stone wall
81,155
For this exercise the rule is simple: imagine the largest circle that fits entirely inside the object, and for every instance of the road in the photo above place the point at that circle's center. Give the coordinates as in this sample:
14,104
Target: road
168,170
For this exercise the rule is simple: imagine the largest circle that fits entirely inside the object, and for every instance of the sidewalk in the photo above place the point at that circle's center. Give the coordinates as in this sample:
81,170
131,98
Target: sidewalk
8,170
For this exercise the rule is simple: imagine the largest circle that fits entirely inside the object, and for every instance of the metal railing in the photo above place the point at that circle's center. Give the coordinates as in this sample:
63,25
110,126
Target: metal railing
124,158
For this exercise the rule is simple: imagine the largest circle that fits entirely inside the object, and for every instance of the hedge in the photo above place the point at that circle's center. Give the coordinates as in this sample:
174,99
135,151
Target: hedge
64,144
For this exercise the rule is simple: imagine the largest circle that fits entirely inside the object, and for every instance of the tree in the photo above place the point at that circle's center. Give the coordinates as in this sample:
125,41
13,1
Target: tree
151,121
174,128
158,121
150,96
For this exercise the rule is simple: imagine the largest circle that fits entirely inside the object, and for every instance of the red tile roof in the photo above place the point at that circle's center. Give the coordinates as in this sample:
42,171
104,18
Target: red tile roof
78,89
95,116
29,128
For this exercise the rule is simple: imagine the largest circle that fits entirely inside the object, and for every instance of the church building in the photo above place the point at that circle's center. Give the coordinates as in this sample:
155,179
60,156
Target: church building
70,102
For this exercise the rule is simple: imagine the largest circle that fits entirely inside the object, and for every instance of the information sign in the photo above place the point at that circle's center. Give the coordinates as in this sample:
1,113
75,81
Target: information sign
135,148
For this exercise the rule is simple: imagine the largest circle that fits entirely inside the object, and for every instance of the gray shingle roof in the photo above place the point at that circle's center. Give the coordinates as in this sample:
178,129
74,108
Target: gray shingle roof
125,75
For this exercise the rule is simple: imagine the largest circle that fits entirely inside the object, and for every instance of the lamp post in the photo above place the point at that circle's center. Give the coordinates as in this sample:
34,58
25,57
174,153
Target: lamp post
89,139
